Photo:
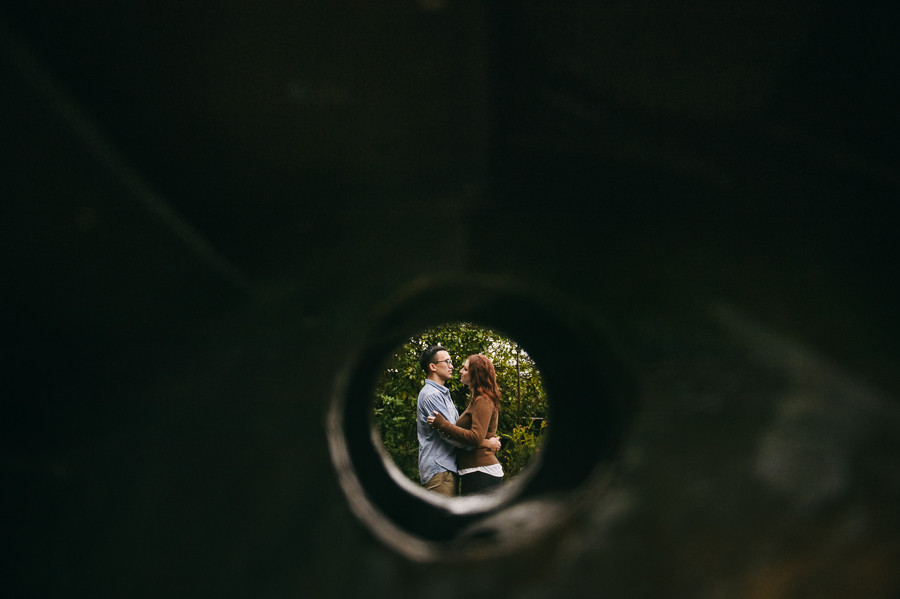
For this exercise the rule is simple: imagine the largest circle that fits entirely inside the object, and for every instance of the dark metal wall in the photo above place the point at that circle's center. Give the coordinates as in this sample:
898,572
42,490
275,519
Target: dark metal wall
204,206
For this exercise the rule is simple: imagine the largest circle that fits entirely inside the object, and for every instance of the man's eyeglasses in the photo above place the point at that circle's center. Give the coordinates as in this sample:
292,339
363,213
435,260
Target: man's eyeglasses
449,362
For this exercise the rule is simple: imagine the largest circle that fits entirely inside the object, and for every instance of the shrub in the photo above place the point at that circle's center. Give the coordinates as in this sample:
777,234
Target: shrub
395,420
519,447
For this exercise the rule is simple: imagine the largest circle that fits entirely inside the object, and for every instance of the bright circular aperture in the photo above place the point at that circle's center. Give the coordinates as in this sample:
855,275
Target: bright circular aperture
523,410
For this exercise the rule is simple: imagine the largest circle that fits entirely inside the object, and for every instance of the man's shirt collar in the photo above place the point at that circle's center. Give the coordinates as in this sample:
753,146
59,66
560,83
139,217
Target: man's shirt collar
438,386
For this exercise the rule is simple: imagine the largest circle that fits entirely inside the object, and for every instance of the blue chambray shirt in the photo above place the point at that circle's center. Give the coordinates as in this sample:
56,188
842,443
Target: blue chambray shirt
436,453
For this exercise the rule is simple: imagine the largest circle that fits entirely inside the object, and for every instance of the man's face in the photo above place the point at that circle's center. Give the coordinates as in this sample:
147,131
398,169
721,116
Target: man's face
442,365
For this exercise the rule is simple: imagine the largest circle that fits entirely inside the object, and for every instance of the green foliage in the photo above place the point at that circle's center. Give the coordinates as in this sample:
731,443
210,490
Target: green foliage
522,394
519,446
396,422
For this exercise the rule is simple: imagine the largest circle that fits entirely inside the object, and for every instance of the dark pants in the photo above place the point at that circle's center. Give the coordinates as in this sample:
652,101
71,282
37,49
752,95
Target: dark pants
476,482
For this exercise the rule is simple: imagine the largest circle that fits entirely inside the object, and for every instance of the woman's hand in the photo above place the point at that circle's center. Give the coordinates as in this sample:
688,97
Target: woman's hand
431,419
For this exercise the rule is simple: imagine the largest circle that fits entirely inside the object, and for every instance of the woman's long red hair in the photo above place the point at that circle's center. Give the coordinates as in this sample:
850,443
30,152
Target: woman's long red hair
483,379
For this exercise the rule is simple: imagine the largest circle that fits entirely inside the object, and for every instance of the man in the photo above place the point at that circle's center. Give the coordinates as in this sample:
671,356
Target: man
437,454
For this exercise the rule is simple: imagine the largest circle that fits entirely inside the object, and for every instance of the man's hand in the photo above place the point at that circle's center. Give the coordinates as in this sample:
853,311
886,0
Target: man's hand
493,444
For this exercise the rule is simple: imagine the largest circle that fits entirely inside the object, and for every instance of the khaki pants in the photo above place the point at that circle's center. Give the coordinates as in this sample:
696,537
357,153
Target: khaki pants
445,483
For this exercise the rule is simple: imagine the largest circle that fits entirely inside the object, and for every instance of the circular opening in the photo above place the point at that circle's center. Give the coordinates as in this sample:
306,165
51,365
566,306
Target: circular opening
523,418
586,384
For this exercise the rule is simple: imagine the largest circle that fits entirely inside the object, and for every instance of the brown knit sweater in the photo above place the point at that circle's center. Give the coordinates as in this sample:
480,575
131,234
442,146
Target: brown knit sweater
477,423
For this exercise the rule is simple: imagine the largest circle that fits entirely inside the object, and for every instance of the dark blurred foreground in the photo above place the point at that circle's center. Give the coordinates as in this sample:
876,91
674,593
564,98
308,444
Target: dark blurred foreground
202,205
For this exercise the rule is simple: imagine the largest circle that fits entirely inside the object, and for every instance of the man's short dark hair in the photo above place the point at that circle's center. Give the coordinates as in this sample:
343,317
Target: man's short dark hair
428,356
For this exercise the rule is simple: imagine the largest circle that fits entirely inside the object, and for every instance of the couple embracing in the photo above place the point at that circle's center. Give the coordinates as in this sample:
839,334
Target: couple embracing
457,453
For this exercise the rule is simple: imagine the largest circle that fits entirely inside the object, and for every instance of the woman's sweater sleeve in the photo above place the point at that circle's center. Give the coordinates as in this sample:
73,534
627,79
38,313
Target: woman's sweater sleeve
481,411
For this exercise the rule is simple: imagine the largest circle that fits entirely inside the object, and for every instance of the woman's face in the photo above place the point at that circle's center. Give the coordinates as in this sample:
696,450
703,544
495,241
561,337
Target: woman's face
464,373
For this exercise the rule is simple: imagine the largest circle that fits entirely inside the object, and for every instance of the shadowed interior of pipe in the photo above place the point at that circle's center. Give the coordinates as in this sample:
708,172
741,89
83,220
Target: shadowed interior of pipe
589,389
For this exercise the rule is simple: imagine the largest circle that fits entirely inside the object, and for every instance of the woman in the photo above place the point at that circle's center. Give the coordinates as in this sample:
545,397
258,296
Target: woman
479,469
